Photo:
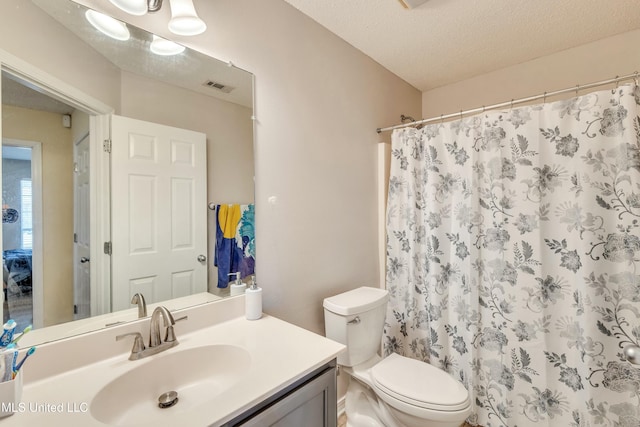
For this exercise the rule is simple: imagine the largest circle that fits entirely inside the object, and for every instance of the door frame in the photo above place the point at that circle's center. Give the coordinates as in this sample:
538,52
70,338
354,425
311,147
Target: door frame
99,113
37,283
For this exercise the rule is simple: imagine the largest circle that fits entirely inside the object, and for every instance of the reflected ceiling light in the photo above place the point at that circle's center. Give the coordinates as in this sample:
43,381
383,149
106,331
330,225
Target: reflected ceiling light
107,25
134,7
165,47
184,20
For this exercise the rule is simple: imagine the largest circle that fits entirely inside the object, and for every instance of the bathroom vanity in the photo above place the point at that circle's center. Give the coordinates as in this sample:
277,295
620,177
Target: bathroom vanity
226,371
309,402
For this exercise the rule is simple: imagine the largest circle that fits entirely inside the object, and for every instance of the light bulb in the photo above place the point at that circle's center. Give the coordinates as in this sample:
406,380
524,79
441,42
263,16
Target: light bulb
108,25
165,47
184,20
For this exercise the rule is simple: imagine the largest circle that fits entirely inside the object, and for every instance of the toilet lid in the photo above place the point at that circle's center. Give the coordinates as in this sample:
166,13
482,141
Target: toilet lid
419,384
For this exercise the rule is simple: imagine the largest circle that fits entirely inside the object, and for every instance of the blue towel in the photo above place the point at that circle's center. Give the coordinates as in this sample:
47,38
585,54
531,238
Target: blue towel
235,241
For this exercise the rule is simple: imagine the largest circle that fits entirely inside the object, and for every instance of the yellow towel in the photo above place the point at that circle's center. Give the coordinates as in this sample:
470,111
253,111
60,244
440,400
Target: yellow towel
228,218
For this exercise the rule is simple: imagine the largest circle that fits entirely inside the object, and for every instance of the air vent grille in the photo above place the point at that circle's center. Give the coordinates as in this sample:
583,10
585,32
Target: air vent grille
218,86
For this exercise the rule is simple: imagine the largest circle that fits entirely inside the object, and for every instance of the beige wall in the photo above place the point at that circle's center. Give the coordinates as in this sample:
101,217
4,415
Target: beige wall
600,60
57,201
318,103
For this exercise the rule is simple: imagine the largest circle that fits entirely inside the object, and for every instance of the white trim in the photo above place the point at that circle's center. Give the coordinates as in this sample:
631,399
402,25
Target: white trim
384,159
100,206
37,255
341,405
52,86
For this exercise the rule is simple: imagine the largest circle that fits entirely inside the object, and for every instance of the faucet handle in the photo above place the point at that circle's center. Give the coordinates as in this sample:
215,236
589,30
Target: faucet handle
138,343
170,335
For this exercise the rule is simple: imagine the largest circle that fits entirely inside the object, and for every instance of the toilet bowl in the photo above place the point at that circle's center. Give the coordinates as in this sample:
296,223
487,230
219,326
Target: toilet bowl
395,391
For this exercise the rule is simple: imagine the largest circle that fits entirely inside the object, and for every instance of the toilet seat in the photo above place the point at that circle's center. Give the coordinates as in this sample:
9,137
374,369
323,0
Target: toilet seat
418,384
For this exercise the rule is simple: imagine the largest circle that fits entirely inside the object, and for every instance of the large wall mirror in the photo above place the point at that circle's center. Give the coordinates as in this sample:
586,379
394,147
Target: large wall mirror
71,202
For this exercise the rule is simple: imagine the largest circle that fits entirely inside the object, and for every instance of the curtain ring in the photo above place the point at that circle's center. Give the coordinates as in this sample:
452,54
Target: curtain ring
635,78
577,89
441,119
483,109
460,115
544,98
512,104
617,81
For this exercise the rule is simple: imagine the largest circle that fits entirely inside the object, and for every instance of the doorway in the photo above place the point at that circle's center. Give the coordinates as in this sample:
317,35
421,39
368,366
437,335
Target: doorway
21,230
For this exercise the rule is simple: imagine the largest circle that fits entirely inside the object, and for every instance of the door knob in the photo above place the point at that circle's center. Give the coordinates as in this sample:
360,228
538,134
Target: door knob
632,354
202,258
84,259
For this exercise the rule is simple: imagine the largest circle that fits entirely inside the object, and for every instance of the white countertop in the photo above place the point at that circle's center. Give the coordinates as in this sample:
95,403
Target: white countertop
281,353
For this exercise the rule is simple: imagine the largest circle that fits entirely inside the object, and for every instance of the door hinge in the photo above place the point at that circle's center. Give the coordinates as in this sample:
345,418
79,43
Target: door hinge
75,309
106,145
107,248
75,237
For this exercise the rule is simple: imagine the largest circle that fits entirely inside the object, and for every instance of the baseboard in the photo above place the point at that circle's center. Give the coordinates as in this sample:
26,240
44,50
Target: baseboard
341,408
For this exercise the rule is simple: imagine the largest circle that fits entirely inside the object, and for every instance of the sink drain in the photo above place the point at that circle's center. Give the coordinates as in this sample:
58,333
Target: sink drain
168,399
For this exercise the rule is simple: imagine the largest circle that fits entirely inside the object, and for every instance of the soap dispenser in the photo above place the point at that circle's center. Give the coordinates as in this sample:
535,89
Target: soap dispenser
237,287
253,301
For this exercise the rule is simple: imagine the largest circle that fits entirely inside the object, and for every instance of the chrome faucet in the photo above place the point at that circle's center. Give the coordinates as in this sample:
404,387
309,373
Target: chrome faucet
154,333
156,343
142,305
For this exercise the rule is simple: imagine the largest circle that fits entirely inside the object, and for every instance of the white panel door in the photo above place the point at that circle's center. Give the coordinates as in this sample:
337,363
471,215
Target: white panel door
159,211
81,225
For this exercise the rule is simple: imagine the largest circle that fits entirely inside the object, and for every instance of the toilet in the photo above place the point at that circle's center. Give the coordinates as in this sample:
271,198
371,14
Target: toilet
394,391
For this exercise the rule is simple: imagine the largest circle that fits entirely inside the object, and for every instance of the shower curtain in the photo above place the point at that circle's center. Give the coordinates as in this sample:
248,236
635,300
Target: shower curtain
513,248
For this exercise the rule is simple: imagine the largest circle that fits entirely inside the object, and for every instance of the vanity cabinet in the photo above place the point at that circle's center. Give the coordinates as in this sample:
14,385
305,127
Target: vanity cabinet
310,402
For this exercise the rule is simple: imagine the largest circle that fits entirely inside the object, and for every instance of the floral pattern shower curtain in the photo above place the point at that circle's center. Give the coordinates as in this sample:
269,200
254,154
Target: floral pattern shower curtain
513,250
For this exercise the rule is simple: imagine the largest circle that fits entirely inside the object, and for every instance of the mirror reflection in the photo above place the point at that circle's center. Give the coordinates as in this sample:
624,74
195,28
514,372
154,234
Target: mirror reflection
55,270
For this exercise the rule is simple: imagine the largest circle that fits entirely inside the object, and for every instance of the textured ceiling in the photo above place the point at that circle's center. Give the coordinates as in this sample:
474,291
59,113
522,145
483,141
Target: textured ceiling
18,93
444,41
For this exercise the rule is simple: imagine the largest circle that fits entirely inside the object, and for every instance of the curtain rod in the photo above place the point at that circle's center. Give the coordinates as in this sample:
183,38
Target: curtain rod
513,102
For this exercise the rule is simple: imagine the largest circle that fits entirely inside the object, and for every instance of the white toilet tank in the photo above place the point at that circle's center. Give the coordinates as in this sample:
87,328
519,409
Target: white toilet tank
356,319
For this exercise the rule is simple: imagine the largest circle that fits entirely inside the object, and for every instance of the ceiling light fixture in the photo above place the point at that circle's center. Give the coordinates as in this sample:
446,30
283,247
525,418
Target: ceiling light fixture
108,25
184,20
165,47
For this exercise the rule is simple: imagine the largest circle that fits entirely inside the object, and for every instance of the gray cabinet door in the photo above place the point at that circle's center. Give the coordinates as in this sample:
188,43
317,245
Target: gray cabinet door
313,404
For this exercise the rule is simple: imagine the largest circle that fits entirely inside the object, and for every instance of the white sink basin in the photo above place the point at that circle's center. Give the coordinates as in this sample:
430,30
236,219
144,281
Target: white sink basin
197,374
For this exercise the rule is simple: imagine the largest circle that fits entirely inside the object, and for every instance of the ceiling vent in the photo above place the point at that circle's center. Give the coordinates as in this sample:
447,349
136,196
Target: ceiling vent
412,4
218,86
